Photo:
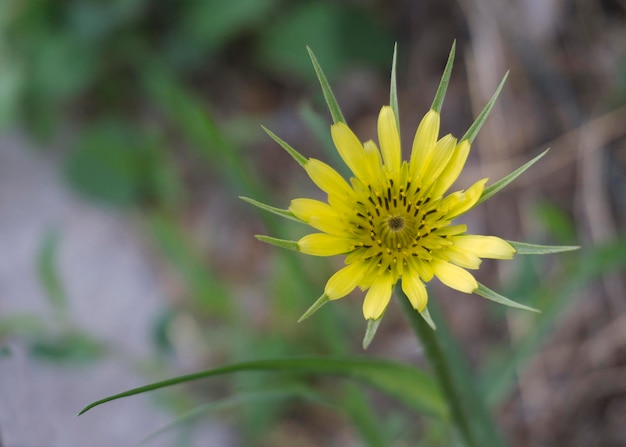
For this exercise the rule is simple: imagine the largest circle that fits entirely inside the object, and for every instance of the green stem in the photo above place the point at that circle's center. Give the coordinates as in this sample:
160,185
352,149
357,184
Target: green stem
441,369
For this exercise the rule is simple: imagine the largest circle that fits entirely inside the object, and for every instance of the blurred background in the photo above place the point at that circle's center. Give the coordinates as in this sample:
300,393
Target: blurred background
130,127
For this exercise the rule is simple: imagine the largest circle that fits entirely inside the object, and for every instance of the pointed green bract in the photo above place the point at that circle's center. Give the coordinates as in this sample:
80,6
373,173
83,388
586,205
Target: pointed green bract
282,243
314,307
482,117
393,91
445,80
294,153
523,248
485,292
370,332
497,186
280,212
333,107
428,319
409,385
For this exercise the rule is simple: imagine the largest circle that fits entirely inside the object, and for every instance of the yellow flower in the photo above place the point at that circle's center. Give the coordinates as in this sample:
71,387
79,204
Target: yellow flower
393,220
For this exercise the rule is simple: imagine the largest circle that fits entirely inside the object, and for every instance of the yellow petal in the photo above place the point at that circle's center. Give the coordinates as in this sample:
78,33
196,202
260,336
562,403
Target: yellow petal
463,258
452,170
374,161
424,141
438,158
415,290
485,246
454,277
326,178
350,149
320,216
345,280
321,244
377,297
467,199
389,139
423,269
305,208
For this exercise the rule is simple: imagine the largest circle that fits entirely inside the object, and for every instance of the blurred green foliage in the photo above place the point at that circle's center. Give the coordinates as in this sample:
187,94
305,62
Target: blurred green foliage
104,69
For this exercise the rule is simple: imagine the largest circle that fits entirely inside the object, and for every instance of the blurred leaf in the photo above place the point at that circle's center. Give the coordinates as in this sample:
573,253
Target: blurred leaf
72,347
22,325
552,298
5,351
467,407
47,269
194,121
339,33
160,331
320,129
364,419
108,165
558,222
205,26
406,383
11,84
115,165
258,399
495,187
207,290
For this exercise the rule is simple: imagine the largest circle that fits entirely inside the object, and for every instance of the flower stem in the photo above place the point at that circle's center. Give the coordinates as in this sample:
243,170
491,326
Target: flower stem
467,411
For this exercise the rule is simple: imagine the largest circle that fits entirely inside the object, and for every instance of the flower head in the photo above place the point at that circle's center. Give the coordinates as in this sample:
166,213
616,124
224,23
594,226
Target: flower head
394,219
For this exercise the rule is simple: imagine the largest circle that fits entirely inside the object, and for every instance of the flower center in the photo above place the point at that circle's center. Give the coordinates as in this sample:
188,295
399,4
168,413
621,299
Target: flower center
396,223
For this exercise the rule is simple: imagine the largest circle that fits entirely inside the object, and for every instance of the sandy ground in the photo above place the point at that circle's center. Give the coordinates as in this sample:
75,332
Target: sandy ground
112,294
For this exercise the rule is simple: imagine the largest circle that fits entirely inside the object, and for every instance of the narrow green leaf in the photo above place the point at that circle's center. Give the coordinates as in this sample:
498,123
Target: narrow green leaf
282,243
283,213
404,382
428,319
482,117
393,90
333,107
524,248
445,80
315,307
294,153
504,181
493,296
370,332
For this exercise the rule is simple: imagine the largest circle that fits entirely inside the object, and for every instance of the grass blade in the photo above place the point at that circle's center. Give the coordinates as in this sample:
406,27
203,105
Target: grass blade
409,385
